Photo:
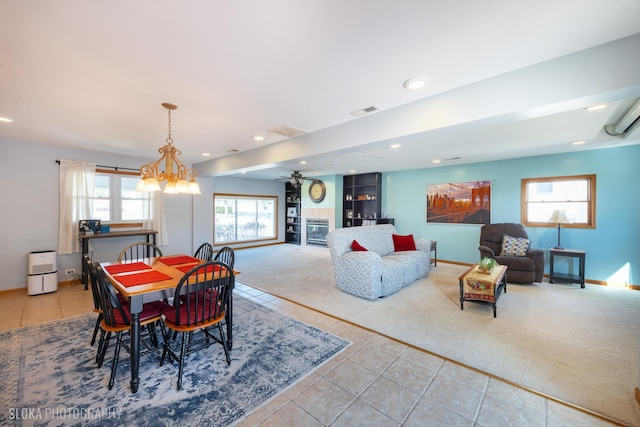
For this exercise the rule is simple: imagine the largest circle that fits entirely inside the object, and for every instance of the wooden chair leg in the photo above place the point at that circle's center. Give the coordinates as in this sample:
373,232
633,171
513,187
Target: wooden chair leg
96,328
151,328
100,344
116,357
168,335
103,349
183,348
224,344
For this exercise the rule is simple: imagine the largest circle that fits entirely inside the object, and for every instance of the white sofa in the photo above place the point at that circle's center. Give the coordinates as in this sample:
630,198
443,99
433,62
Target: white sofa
379,271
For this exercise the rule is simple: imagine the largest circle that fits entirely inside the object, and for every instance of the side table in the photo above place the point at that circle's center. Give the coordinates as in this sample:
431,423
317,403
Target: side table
434,249
567,277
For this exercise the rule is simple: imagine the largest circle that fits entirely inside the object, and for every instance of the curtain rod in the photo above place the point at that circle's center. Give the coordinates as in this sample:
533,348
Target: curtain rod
111,167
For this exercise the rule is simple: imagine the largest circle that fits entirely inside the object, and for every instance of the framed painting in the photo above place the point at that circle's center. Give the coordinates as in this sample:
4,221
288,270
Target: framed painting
459,202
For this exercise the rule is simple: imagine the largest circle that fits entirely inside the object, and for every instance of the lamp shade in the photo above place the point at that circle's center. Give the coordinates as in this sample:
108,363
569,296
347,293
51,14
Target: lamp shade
559,217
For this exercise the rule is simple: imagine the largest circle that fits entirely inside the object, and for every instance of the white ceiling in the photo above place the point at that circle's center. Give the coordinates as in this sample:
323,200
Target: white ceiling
507,79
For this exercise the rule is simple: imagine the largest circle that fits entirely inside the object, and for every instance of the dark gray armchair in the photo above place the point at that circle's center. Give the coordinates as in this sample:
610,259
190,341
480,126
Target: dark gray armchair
521,269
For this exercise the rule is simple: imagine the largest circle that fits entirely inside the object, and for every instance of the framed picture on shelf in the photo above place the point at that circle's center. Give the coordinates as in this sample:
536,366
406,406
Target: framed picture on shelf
459,202
290,220
291,212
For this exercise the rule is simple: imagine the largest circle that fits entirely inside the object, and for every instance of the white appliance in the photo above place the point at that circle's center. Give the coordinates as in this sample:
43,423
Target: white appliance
42,274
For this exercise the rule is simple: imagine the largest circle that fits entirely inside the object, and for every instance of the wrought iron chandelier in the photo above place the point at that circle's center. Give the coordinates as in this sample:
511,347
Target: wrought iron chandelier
176,176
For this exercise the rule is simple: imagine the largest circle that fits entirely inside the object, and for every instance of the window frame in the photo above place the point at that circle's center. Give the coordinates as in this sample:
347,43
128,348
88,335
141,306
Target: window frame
116,201
591,200
276,220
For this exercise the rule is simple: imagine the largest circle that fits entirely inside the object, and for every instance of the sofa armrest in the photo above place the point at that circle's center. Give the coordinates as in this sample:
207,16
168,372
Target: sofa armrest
423,245
537,255
486,251
359,273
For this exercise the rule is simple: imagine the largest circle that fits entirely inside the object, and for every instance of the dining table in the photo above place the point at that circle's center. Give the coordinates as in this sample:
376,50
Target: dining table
154,279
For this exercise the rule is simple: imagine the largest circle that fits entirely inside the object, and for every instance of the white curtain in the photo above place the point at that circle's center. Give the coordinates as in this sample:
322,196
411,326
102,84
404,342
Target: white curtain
159,222
77,178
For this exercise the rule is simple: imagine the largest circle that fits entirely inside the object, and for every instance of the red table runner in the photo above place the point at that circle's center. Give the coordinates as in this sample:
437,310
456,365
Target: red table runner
185,268
178,259
125,268
142,278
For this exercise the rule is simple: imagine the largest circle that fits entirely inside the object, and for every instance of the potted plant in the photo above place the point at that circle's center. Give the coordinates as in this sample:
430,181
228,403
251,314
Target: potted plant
486,265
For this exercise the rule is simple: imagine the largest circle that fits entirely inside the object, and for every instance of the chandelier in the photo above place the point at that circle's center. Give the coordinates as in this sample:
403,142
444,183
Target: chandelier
175,175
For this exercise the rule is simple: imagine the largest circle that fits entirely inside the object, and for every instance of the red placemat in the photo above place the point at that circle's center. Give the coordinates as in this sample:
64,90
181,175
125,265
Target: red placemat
125,268
178,259
185,268
142,278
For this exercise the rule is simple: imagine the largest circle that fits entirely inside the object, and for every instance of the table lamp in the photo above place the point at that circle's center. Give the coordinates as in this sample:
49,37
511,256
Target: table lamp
559,217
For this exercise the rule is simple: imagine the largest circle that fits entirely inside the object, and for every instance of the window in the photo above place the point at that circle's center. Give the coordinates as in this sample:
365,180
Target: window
239,218
576,195
116,200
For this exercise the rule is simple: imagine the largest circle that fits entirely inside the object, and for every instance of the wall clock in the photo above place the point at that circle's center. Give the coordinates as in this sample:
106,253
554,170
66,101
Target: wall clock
317,191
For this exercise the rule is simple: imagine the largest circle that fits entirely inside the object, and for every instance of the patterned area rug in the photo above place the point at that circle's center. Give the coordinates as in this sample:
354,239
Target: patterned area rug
49,376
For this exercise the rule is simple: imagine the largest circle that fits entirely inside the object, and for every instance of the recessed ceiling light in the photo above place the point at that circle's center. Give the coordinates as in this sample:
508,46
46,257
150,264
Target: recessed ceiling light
416,83
205,154
578,142
597,107
303,162
396,145
352,171
258,138
435,161
5,119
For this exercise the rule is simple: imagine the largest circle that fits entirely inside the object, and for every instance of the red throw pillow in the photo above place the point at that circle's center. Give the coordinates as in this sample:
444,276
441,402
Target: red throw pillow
355,246
403,243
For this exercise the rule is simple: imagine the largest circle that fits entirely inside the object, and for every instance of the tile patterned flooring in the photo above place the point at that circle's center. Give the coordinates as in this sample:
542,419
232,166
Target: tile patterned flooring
375,382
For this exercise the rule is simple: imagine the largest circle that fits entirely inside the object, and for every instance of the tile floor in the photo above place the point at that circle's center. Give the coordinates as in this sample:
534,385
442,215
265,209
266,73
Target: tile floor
375,382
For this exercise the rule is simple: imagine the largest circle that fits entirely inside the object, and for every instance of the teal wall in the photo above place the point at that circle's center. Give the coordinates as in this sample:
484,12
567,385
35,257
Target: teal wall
613,247
333,197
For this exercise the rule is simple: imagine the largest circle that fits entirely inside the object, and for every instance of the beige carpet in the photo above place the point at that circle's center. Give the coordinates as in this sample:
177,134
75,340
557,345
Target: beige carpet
577,345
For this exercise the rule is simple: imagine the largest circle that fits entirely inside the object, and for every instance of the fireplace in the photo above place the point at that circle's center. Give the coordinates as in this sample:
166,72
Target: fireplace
317,230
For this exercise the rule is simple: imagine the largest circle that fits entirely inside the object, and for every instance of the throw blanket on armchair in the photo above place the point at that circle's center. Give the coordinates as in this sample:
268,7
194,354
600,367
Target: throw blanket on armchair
379,270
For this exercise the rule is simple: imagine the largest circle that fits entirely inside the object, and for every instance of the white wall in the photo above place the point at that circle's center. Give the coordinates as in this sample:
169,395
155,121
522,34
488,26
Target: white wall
203,204
29,214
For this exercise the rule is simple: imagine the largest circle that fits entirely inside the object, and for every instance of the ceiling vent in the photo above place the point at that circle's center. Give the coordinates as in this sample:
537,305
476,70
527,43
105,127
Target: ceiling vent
364,111
626,122
287,131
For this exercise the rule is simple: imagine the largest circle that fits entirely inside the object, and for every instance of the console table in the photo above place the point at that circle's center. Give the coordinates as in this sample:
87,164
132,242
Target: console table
85,237
565,277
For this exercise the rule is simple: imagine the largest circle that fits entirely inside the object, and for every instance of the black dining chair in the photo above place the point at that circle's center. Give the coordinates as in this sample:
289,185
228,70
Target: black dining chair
96,298
139,250
227,256
97,306
117,320
204,252
196,315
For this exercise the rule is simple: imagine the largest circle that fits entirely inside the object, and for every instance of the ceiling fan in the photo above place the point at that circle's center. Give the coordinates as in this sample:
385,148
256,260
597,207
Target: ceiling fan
295,179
